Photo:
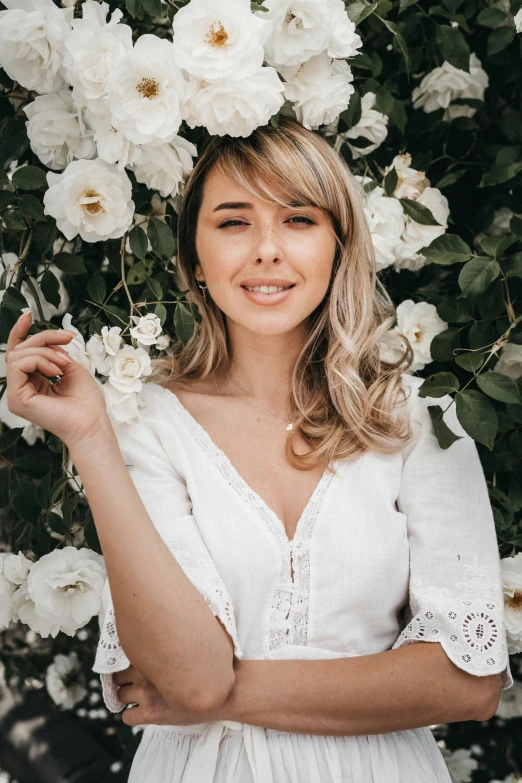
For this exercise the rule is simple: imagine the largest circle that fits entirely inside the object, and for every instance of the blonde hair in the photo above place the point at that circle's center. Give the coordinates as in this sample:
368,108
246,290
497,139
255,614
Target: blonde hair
344,396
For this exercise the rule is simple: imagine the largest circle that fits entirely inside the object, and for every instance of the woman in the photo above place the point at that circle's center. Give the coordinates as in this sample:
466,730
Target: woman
298,483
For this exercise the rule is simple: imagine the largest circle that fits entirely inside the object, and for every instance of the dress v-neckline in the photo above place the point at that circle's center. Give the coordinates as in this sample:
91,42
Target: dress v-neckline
218,456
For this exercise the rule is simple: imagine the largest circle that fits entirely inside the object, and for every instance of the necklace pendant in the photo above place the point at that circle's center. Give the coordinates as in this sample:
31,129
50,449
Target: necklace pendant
289,426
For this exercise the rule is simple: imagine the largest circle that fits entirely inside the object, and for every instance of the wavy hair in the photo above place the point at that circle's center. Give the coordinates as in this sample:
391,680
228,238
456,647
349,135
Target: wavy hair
346,400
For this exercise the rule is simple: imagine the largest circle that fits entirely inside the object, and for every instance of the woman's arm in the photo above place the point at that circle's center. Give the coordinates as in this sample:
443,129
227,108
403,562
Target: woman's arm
164,623
416,685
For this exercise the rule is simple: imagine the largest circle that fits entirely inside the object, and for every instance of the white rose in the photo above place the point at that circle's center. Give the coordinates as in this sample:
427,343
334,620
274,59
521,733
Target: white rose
24,612
148,92
16,568
32,34
305,28
518,20
92,51
56,130
417,235
146,329
112,145
236,108
373,126
511,570
386,221
91,198
65,587
510,361
445,84
101,348
460,764
419,322
75,348
215,40
410,182
122,407
510,702
62,688
166,167
128,366
320,89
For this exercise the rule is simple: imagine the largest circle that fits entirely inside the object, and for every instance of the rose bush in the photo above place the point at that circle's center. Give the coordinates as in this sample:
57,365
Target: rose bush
104,108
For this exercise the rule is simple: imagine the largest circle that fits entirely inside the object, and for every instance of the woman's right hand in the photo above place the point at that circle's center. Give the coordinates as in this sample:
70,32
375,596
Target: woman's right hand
72,408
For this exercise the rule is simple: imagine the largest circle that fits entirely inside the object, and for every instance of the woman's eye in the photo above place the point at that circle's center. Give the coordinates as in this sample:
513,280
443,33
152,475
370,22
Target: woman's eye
233,222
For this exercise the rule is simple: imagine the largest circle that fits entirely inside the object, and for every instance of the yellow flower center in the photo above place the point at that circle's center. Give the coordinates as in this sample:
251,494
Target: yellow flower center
148,88
217,35
93,207
515,601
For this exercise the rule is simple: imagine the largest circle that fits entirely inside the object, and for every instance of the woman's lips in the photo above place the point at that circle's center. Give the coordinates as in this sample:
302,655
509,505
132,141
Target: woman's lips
267,299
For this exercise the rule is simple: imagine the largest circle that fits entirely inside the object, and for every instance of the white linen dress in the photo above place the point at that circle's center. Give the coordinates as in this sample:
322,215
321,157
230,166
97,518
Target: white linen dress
412,530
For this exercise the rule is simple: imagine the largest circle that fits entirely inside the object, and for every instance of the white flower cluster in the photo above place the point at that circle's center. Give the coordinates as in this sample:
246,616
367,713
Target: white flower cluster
419,322
122,364
64,680
439,88
396,236
59,592
106,104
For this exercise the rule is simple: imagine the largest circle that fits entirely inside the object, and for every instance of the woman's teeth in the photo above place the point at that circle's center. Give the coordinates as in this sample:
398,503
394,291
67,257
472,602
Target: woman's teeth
267,289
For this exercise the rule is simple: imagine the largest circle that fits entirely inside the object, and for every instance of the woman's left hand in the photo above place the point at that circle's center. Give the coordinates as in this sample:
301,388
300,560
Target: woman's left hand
134,688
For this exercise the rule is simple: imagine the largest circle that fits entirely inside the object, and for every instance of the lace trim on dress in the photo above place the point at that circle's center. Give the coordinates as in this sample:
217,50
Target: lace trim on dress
468,621
289,618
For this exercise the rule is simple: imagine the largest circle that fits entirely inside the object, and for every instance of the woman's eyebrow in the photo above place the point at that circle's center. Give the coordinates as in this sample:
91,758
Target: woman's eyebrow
247,205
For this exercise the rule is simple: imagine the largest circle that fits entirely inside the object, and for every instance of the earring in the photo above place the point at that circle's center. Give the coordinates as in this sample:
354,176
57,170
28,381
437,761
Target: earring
203,288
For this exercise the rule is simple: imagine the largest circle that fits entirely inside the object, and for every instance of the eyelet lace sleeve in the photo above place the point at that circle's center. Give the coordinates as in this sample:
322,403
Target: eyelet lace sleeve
164,494
455,586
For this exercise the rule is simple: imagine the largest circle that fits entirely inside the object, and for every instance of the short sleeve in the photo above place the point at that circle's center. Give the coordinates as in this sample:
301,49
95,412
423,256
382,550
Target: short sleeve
164,494
455,586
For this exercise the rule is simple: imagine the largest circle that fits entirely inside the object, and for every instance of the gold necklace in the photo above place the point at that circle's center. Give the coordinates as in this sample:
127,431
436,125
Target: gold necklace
289,425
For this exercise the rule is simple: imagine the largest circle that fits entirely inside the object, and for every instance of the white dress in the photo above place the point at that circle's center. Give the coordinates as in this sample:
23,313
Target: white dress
414,530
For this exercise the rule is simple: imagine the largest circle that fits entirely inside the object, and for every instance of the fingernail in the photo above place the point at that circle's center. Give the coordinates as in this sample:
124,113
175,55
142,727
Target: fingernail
21,316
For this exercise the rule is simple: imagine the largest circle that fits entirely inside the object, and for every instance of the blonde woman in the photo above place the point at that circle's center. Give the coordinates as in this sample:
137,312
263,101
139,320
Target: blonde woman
301,580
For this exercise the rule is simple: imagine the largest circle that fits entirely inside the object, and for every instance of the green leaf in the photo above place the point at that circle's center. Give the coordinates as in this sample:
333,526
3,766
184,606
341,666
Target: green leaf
257,7
4,179
444,435
494,246
439,384
359,11
6,199
14,220
161,311
96,288
30,178
136,274
401,43
418,212
512,267
43,489
499,173
25,502
14,299
32,466
443,345
45,234
31,207
274,120
404,4
5,475
153,7
57,488
477,416
133,7
10,437
138,242
491,17
447,249
450,179
477,275
13,147
470,361
161,239
390,181
69,263
7,321
499,386
183,323
50,286
499,39
453,46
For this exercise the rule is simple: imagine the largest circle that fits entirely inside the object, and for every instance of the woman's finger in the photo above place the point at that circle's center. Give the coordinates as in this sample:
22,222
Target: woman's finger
48,353
46,337
33,363
18,332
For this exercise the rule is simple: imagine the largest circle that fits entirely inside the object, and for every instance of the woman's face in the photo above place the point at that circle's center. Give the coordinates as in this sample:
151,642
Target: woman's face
243,240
